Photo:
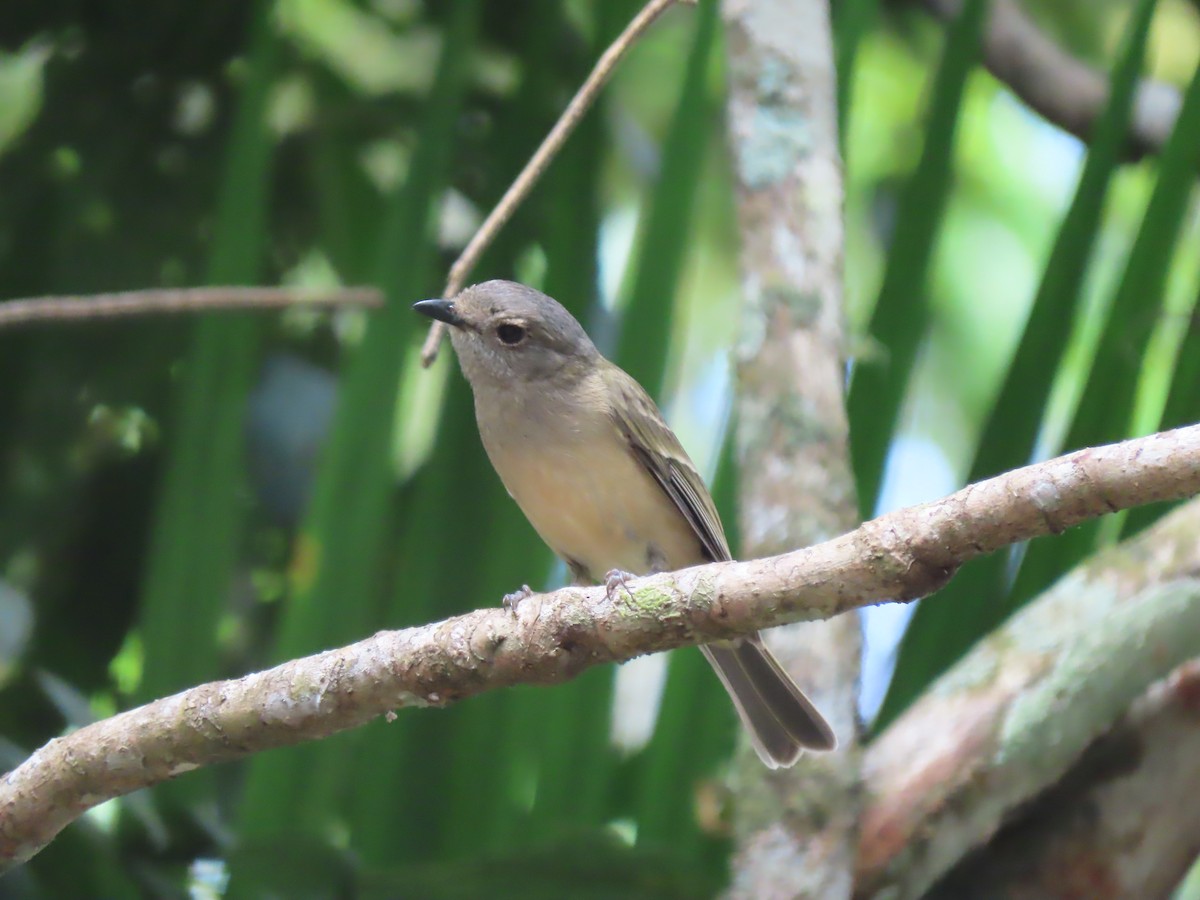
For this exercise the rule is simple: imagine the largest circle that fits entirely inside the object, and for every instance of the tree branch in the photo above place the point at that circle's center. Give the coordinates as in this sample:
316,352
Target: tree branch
1065,91
1121,823
540,161
14,313
553,637
1006,722
794,477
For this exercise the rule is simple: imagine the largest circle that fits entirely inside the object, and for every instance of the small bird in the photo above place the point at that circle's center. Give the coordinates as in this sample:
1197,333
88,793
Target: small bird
596,470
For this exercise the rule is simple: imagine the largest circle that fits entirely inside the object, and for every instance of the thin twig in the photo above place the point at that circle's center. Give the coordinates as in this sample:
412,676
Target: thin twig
14,313
540,161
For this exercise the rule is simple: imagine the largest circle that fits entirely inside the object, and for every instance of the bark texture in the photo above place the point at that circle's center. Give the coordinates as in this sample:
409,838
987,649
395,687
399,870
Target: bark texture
796,828
1017,714
552,637
1123,822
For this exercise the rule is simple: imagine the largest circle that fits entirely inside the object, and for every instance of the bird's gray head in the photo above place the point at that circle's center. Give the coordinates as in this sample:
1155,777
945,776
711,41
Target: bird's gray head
504,333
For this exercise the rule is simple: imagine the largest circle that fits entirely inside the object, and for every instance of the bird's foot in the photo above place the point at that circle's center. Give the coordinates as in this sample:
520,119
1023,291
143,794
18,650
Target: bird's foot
513,600
616,578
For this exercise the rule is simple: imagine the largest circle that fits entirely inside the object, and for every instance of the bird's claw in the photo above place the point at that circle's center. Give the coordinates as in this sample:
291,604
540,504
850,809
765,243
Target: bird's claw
616,578
513,600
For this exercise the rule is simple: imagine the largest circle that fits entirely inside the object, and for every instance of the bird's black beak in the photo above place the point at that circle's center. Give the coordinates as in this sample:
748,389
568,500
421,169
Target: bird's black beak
442,310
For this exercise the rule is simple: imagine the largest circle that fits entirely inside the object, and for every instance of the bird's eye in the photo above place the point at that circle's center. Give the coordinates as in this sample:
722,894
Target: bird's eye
510,334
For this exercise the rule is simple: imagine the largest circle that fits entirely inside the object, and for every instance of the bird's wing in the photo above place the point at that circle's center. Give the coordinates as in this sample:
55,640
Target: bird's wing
654,445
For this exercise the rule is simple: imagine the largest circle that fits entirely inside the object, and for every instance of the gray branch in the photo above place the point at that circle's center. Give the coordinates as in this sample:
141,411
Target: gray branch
1017,714
794,479
1123,817
1062,89
162,301
897,557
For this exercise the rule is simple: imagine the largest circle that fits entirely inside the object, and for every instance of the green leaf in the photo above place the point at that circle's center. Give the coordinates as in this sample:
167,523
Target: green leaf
1106,410
496,747
291,865
852,19
973,603
670,765
21,90
199,516
901,316
550,736
1183,398
478,779
664,239
580,864
340,554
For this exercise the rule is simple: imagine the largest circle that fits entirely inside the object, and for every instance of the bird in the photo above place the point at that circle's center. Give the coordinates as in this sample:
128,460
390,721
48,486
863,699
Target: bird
591,462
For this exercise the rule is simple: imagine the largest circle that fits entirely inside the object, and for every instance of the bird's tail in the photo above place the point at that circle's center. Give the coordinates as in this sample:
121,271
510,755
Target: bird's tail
782,722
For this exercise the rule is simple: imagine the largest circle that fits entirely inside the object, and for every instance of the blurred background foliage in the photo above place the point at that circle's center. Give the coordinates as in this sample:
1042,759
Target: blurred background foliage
188,499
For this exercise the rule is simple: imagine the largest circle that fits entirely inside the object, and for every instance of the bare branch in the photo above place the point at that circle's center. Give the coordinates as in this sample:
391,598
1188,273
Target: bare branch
1121,823
553,637
156,301
540,161
1014,715
1066,91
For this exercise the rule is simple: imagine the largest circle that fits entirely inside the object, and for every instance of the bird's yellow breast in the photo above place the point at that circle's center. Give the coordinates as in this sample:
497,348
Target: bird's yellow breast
594,504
